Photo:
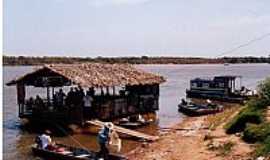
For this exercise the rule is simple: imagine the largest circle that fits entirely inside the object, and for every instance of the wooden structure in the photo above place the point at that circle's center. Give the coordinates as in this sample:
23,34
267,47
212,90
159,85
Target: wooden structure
118,90
126,131
71,153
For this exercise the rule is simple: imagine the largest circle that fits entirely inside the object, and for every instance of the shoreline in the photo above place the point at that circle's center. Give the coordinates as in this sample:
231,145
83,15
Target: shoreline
25,60
188,140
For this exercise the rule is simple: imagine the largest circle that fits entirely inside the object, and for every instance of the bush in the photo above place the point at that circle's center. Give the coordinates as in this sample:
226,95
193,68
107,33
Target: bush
247,115
257,104
264,148
253,113
254,133
264,90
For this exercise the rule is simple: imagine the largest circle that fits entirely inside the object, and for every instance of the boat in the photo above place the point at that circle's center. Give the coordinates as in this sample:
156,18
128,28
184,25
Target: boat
222,88
132,125
64,152
193,109
133,122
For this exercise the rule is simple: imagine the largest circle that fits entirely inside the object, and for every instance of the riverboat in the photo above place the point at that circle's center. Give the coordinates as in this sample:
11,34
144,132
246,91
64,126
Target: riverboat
223,88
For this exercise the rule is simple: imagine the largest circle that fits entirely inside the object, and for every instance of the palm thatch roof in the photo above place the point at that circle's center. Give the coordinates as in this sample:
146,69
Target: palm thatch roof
95,74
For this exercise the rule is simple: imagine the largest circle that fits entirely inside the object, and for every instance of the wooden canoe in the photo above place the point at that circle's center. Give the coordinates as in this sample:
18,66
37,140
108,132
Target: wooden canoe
71,153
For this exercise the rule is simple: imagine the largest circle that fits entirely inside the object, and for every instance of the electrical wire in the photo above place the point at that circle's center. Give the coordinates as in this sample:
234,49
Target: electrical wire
244,44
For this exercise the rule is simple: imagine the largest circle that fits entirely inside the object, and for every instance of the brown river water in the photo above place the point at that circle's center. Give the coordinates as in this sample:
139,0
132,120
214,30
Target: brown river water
17,140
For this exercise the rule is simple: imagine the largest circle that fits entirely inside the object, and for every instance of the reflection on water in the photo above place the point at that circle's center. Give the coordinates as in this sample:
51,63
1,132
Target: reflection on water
17,141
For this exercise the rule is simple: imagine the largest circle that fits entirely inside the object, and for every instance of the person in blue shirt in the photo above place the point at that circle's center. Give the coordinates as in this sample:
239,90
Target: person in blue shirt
103,140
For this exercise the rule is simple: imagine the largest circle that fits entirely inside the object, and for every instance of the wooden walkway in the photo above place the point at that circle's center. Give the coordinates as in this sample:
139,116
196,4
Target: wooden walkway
126,131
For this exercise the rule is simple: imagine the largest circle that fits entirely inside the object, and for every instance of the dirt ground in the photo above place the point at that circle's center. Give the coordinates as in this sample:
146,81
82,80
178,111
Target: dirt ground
197,138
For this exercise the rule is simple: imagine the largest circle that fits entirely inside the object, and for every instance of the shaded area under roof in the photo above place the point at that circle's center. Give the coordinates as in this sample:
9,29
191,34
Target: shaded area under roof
92,75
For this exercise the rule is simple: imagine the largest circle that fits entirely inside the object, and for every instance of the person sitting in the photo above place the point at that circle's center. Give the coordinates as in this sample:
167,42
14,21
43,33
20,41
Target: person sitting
45,141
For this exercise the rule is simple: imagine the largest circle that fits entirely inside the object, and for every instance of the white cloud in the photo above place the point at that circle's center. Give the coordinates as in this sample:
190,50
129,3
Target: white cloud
99,3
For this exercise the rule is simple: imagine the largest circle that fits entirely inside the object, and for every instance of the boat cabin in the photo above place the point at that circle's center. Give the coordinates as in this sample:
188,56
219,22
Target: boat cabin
79,92
217,87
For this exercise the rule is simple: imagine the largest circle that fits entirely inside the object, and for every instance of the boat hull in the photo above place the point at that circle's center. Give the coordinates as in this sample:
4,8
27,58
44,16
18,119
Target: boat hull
59,156
197,112
215,96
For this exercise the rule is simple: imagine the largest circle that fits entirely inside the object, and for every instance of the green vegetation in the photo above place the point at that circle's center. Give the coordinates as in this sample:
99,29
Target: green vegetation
239,123
256,133
251,120
252,113
264,148
22,60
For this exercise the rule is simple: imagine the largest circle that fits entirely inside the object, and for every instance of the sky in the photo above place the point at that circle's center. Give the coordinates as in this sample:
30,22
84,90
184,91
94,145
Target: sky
110,28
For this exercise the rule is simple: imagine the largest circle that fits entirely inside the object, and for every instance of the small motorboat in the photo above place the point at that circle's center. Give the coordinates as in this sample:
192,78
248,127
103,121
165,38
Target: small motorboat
63,152
193,109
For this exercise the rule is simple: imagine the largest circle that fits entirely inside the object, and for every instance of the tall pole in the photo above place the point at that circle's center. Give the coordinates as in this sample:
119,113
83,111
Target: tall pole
48,95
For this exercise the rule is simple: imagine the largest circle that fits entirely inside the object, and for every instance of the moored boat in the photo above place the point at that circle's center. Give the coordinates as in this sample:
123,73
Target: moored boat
133,125
193,109
64,152
222,88
133,122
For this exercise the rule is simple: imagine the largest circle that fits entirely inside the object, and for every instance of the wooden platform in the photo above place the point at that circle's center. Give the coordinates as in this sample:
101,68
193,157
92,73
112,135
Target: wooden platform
126,131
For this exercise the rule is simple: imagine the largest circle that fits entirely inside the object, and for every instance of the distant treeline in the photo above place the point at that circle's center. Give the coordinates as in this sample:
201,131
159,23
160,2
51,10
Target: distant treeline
22,60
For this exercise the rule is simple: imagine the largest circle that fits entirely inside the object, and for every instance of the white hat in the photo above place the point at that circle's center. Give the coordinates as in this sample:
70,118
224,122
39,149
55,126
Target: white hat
109,125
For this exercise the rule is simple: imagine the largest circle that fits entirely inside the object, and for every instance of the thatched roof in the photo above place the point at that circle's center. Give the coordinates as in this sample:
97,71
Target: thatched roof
96,74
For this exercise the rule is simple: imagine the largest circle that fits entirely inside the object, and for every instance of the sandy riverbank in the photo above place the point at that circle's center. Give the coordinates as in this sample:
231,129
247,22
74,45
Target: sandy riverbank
196,138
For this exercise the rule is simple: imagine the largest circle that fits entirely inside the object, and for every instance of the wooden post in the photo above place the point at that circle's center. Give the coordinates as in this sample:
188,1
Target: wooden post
21,97
48,95
114,90
233,85
107,91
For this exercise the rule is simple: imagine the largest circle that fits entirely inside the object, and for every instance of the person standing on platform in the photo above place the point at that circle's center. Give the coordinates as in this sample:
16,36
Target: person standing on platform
87,107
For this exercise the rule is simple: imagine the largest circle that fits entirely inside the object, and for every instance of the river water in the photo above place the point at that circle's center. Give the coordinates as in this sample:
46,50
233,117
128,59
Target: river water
17,140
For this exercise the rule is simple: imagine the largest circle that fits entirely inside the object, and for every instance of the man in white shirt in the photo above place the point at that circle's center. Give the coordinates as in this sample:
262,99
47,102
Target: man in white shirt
87,101
45,139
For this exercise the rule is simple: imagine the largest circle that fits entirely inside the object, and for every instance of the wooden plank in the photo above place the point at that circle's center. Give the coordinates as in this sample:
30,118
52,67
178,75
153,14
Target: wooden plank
126,131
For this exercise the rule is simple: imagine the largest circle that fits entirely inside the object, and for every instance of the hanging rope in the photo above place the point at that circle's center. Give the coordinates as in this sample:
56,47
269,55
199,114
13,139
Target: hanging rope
66,133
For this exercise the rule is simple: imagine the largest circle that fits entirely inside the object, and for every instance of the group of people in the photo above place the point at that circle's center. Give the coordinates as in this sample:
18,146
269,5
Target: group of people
106,136
35,103
75,97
